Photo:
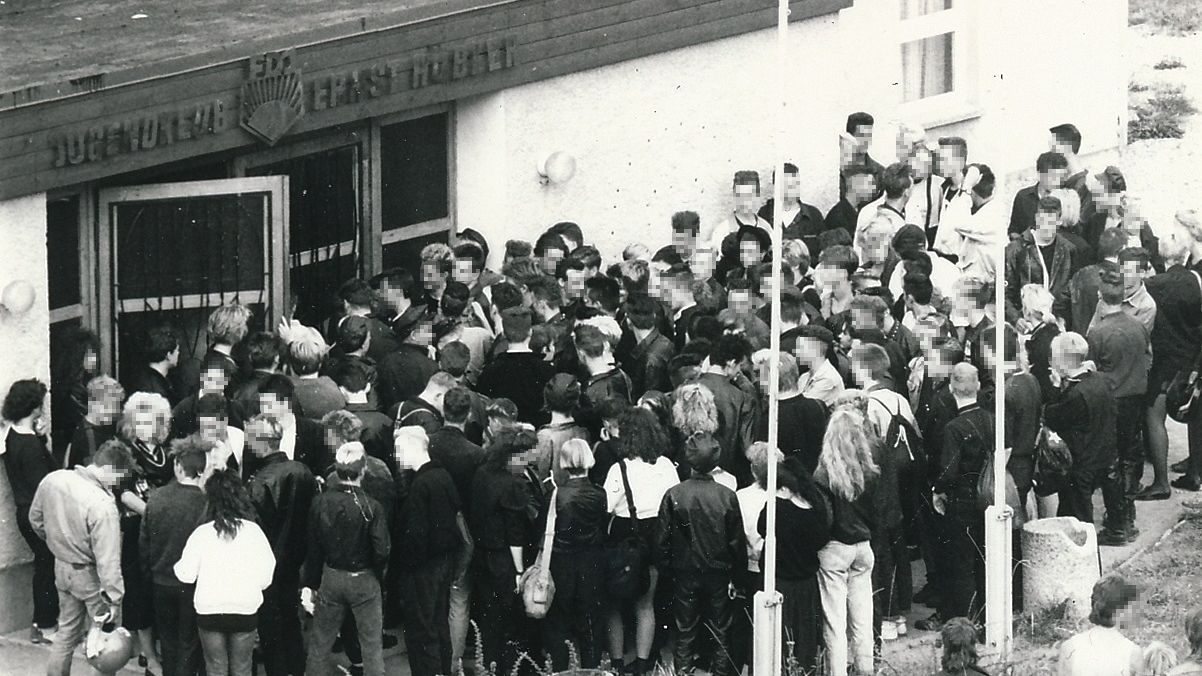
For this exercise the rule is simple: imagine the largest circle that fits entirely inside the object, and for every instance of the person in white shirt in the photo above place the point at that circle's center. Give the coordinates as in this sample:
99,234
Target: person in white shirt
926,194
975,222
641,475
897,184
746,188
229,441
230,561
813,346
1102,650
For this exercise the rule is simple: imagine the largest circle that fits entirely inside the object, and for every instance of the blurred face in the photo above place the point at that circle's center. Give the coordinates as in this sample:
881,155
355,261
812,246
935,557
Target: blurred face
1045,227
211,428
409,453
938,364
655,285
145,426
573,284
213,381
746,198
861,188
90,361
791,187
274,406
258,438
863,320
1133,277
432,276
464,272
863,136
922,164
1052,178
809,350
1107,199
393,297
550,260
684,240
750,253
739,300
1056,146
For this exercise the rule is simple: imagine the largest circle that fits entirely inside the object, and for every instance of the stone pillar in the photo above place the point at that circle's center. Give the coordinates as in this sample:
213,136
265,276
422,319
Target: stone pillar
1062,565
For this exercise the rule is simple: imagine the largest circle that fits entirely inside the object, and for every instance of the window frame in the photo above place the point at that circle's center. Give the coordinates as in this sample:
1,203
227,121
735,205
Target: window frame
961,102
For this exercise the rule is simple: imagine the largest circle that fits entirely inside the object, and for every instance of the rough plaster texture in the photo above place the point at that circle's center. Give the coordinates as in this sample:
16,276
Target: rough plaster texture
1061,555
26,354
663,133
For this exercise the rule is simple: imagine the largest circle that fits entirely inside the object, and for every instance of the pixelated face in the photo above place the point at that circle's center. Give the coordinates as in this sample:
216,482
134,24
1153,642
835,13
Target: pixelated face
655,284
211,428
1107,199
391,296
750,253
809,350
861,188
110,476
747,197
1055,146
863,136
791,186
550,259
863,319
90,361
145,425
274,406
110,410
767,282
828,277
1052,178
684,240
938,364
1133,277
739,300
432,275
464,272
922,164
1046,224
213,381
573,284
951,161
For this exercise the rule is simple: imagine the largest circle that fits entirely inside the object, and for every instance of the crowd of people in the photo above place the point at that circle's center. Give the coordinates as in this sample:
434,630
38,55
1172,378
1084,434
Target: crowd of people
570,454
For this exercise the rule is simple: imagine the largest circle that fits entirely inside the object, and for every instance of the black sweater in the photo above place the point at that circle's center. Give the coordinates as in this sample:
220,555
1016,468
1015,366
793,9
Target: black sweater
172,513
800,534
26,462
426,525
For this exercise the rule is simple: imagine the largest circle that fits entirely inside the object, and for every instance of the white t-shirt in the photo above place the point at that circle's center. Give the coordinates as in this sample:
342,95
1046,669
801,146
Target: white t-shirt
1100,651
752,501
648,483
230,574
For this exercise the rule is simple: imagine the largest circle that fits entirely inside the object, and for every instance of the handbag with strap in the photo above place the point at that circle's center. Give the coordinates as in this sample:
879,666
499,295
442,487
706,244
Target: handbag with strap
536,586
1184,392
626,559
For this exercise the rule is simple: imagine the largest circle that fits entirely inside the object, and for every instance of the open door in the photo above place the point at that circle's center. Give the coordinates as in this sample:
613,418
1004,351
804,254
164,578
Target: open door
170,253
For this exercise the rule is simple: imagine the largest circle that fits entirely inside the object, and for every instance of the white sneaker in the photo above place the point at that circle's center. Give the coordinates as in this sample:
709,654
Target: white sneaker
900,623
888,630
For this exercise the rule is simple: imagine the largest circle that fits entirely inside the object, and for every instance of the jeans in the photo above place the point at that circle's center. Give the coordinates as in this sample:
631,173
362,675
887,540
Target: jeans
458,616
697,596
425,601
175,623
279,626
845,583
45,596
1123,477
965,554
79,601
1076,496
228,654
342,591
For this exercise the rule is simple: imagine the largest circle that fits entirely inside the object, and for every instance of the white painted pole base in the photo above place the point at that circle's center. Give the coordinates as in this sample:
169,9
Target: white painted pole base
999,595
766,658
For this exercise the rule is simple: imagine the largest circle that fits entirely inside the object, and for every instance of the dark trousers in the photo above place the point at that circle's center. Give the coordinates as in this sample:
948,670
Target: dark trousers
741,636
280,639
426,600
801,621
575,614
698,598
45,595
1076,496
342,591
965,554
175,622
1123,477
495,606
933,543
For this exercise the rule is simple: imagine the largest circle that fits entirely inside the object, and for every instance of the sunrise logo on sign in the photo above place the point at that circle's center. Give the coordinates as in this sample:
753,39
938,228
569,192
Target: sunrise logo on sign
272,96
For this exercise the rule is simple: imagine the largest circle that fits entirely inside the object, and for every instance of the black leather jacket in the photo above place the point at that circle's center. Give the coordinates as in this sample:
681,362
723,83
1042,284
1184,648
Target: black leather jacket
701,528
282,491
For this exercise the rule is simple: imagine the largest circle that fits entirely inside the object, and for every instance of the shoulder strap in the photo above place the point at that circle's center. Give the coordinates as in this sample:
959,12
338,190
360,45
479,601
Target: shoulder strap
549,536
634,518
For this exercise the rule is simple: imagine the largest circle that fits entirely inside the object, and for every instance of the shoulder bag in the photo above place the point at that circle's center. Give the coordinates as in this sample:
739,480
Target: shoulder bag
536,586
627,557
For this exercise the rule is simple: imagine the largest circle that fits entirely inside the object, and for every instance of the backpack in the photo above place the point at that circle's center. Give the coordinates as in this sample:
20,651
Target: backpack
901,438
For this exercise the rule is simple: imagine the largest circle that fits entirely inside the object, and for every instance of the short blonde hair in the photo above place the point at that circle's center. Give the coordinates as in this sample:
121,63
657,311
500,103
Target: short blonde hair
575,456
795,254
1037,302
228,323
105,388
1069,349
411,434
307,353
1070,205
153,404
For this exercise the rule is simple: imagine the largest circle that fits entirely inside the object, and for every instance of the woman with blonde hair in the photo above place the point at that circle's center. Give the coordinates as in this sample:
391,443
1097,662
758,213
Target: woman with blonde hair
849,476
1043,327
144,427
1071,228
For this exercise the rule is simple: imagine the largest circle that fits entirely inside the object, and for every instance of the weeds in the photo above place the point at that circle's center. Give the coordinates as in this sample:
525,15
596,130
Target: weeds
1161,115
1048,626
1174,17
1137,87
1169,63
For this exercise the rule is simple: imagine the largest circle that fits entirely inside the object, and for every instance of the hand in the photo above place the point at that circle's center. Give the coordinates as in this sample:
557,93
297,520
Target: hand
939,502
1023,326
971,178
1054,377
517,583
306,599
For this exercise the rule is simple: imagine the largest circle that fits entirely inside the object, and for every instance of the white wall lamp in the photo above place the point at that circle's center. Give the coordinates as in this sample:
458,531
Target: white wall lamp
17,298
558,167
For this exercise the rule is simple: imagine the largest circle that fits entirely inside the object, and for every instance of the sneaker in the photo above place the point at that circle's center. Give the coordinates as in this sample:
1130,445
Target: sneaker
888,630
900,623
932,623
38,637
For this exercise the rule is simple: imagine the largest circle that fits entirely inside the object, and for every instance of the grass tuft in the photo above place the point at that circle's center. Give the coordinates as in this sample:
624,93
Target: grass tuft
1169,63
1174,17
1161,116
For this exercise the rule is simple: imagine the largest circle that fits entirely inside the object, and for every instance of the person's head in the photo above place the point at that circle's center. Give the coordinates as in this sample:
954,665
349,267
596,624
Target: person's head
454,358
411,445
694,410
498,413
677,285
868,312
603,293
922,162
1052,168
229,504
353,378
1193,633
730,353
515,323
456,302
959,645
1037,304
24,400
112,463
859,125
228,324
702,452
1159,659
790,182
973,296
636,251
457,405
897,181
510,446
340,427
753,243
354,334
965,382
189,456
570,233
836,265
516,249
562,393
941,355
759,456
952,156
263,351
1108,189
918,289
306,350
437,260
1047,220
162,346
437,387
685,228
572,275
80,356
1110,288
982,192
635,276
590,256
550,250
105,395
845,465
640,434
1068,353
640,312
869,364
1135,264
575,457
146,417
811,344
276,394
746,188
263,435
796,256
1111,595
1065,139
861,184
212,416
1070,206
788,373
349,461
469,262
591,343
397,287
357,296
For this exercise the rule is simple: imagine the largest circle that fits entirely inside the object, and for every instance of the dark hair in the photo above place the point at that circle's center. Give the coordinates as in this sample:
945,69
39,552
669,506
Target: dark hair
568,263
1111,242
589,340
397,278
454,358
160,342
747,177
356,292
955,351
895,179
351,374
505,295
472,236
562,393
262,349
353,332
1050,160
1068,133
192,454
549,240
702,452
840,257
1138,254
518,248
858,120
547,290
568,228
470,251
918,286
508,441
640,311
501,407
456,298
69,362
984,187
515,324
729,348
1049,205
229,502
831,238
954,142
604,291
114,454
456,405
587,254
1110,594
23,398
640,435
211,406
791,169
959,645
278,384
686,221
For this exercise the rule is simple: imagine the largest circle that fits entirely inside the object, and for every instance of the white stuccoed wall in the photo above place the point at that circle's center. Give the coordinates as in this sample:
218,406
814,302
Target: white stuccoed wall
664,133
26,354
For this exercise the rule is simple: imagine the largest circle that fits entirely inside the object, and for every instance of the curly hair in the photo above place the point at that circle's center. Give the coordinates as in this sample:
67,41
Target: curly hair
959,645
229,503
694,410
640,435
845,465
509,441
23,398
146,402
343,424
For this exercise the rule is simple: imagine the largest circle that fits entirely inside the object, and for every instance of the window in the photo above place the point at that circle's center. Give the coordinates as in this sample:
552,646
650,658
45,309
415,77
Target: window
934,65
927,67
415,187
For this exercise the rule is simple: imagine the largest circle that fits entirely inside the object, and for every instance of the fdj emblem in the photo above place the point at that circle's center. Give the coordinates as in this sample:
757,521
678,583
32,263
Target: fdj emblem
272,96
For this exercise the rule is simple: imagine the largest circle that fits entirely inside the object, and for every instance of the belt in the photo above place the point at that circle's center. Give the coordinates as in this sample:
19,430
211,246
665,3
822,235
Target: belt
352,573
